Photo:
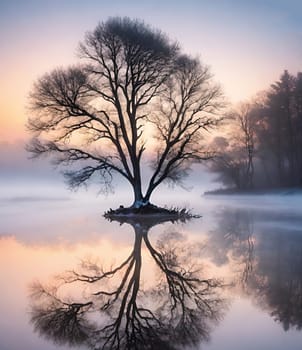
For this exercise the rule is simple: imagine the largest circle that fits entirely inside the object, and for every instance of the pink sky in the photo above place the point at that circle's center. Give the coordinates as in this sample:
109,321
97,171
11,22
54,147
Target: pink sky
247,44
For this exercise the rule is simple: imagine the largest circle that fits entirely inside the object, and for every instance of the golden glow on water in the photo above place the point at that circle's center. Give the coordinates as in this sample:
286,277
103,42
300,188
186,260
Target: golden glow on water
44,260
21,264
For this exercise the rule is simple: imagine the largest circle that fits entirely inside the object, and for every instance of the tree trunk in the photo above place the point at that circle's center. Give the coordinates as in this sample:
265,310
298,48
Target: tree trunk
139,199
138,196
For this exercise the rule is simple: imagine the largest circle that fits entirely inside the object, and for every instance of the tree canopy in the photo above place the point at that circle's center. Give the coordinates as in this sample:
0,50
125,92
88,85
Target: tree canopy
134,99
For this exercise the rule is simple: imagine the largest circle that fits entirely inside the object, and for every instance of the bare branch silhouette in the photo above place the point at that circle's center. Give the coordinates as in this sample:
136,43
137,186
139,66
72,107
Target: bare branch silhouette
96,117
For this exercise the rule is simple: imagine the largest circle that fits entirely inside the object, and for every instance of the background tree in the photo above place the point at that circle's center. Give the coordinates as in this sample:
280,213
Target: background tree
96,117
227,162
281,134
236,150
263,146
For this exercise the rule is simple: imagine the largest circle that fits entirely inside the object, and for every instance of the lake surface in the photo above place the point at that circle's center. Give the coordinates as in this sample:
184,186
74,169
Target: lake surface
229,280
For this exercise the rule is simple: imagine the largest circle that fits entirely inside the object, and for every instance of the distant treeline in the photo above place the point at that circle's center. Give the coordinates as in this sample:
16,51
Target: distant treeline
263,145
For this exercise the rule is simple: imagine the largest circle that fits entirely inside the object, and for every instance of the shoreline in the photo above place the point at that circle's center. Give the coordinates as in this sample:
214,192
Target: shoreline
268,191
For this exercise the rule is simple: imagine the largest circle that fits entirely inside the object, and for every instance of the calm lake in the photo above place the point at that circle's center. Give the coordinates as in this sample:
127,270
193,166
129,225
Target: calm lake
229,280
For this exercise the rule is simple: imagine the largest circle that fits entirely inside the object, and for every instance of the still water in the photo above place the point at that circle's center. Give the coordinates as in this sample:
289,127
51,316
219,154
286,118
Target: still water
229,280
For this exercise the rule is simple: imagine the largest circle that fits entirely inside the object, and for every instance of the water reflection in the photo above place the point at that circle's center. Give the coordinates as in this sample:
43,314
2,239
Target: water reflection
233,243
110,308
276,283
266,262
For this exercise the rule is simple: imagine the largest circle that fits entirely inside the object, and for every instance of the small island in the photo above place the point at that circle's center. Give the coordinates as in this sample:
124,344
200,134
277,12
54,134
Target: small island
150,211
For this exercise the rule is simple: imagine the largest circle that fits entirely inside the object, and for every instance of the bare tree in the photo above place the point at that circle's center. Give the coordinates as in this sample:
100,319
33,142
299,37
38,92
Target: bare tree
235,156
117,312
96,117
227,163
247,125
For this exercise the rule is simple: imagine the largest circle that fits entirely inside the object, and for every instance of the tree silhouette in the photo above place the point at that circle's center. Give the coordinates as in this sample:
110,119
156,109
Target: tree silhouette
280,137
133,86
117,313
236,151
265,151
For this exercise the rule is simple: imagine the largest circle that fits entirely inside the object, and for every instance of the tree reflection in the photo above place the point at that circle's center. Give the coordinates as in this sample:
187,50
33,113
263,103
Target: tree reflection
267,259
234,243
277,284
114,310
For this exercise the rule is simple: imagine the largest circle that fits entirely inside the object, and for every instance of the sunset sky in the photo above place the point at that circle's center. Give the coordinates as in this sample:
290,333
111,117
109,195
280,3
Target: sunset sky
246,43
